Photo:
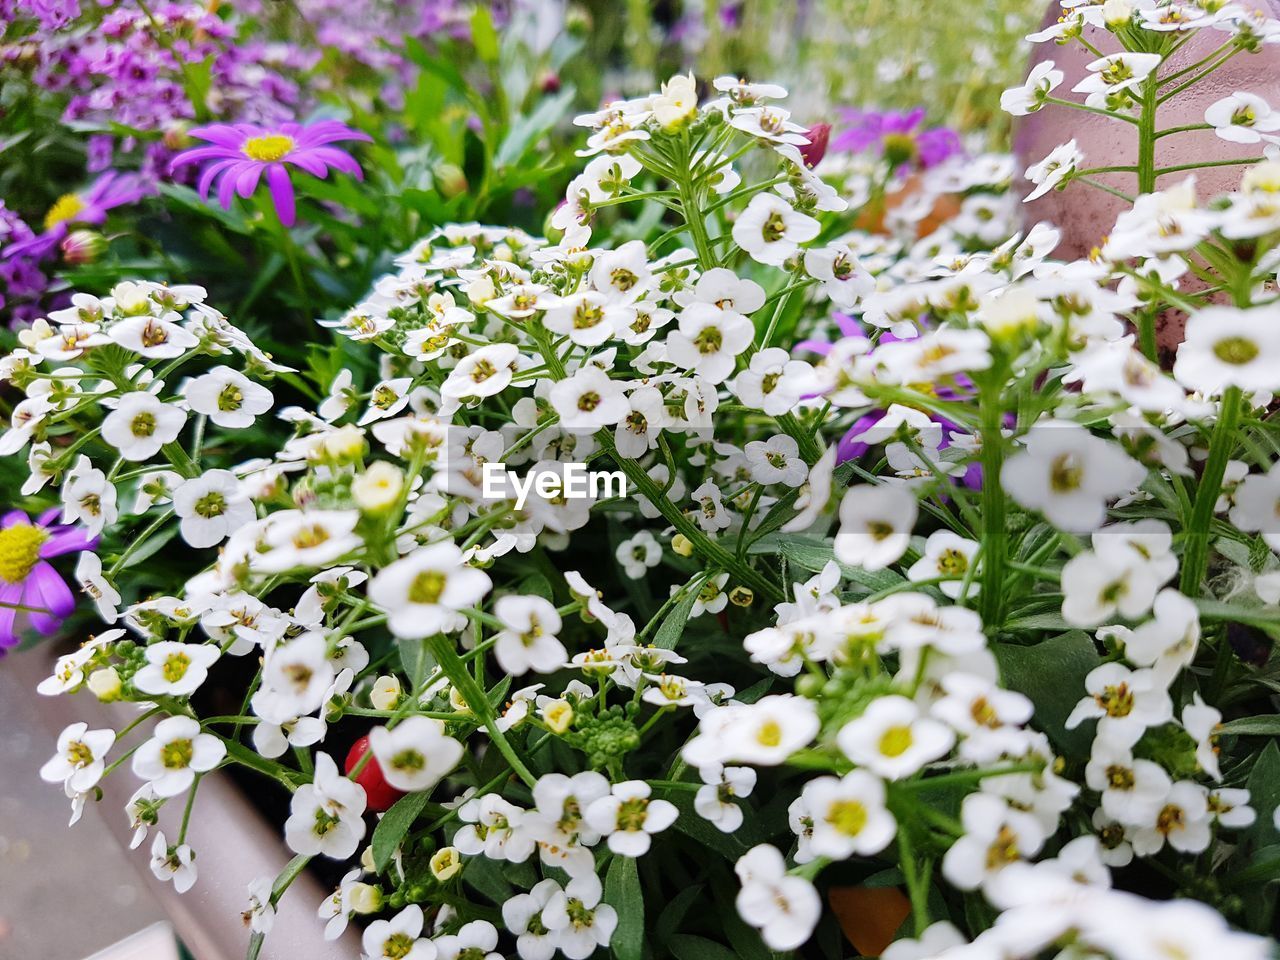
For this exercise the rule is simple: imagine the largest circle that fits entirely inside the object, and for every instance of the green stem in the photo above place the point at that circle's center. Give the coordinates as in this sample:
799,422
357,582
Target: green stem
915,888
453,668
994,533
1195,559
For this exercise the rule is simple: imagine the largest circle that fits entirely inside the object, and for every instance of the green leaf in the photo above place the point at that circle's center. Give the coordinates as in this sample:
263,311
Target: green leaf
812,554
483,36
1264,726
393,826
415,660
1264,796
526,131
1051,674
688,947
1261,616
622,892
668,635
1038,621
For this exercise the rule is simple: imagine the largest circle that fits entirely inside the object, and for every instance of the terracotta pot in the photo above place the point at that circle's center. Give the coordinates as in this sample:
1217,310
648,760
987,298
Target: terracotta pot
234,845
945,207
1086,214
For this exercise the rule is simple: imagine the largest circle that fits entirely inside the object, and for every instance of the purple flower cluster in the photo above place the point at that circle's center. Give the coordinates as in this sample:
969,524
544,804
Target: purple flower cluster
22,283
128,69
901,138
32,593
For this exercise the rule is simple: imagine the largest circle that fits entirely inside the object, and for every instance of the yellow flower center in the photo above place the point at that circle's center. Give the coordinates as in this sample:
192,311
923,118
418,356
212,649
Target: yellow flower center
848,817
20,551
896,741
268,148
64,210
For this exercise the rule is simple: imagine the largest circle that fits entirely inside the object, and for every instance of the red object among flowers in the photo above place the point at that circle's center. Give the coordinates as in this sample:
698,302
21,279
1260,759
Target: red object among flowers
381,795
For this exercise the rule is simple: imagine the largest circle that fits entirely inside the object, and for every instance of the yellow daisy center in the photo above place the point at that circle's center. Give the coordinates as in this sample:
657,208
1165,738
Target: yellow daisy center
20,551
268,148
64,210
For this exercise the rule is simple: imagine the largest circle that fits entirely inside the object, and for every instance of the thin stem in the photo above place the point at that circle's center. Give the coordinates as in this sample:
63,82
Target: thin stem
994,533
1196,558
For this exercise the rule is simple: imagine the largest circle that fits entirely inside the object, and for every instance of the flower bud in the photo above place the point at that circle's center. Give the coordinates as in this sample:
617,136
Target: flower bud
481,291
446,863
813,152
558,715
82,246
457,701
366,860
378,488
345,443
550,82
1116,13
682,545
385,694
105,684
176,137
450,180
364,898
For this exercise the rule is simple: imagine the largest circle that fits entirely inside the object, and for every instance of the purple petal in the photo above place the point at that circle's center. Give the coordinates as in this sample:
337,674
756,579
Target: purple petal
247,179
224,135
49,517
14,517
68,540
210,173
10,593
50,592
281,193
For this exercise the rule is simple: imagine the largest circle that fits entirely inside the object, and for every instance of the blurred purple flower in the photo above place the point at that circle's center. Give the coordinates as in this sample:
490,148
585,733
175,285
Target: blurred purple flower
87,206
898,137
32,593
22,283
242,152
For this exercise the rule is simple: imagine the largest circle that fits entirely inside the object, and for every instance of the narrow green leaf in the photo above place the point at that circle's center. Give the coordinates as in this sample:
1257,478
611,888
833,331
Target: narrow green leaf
1264,726
483,36
415,660
622,892
393,826
1051,674
668,635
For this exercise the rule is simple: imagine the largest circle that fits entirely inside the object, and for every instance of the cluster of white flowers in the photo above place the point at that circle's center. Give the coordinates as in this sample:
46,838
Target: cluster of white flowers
962,384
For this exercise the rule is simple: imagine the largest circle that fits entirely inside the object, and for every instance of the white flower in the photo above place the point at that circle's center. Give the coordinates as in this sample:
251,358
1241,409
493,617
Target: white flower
176,863
227,397
80,758
1061,162
296,676
996,835
1182,821
708,340
386,399
772,382
1132,790
522,915
211,507
639,554
711,513
156,338
776,460
175,669
1114,74
96,587
1095,586
948,556
628,817
176,752
307,538
677,104
1230,347
1169,640
1257,507
764,733
934,942
477,940
528,639
415,754
482,374
587,318
1230,808
422,591
714,799
140,425
844,280
1030,97
849,815
261,914
399,938
1069,474
1242,117
875,526
495,827
784,908
892,739
578,920
1123,698
638,431
1202,722
326,815
770,230
589,400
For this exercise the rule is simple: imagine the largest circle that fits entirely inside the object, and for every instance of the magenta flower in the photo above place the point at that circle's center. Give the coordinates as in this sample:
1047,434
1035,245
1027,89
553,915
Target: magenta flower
242,152
88,206
900,138
32,593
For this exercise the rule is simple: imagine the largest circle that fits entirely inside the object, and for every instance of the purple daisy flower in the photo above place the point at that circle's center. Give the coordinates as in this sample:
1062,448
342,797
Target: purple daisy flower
242,152
32,593
898,137
87,206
